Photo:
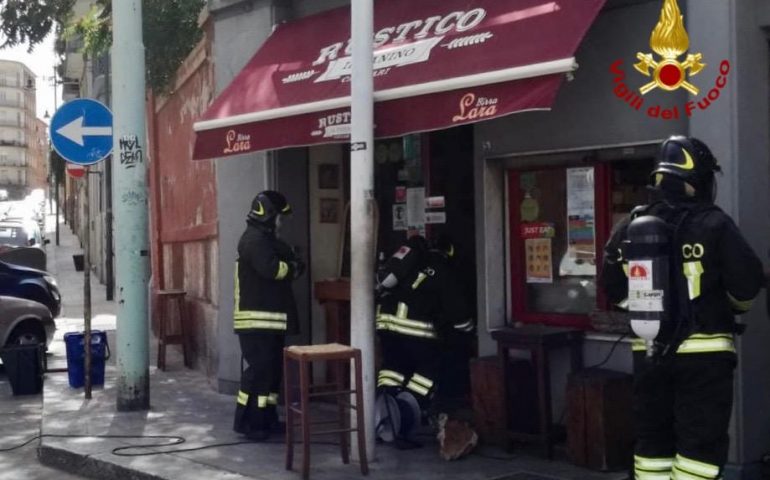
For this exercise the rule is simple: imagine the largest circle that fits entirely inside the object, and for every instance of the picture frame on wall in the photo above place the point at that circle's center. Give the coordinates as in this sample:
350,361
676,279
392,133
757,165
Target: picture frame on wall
328,176
329,210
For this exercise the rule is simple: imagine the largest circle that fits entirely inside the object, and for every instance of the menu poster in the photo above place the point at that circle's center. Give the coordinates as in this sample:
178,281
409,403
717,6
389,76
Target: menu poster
581,232
415,208
539,260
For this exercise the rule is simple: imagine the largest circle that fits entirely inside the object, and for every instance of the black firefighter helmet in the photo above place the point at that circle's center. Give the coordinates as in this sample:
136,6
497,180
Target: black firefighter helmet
267,205
689,160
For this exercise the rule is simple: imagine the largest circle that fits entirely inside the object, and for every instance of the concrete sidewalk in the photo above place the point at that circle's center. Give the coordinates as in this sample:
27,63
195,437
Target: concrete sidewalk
184,405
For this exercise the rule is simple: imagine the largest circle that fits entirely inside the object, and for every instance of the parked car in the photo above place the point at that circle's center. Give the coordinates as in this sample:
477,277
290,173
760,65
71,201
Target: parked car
21,234
31,284
24,322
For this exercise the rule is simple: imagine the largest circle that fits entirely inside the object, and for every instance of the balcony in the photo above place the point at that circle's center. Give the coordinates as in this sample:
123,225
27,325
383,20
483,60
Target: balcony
13,143
11,102
10,122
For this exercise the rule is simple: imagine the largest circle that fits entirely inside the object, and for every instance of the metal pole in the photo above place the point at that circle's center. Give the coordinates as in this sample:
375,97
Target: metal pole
56,190
130,206
362,206
56,177
87,282
108,239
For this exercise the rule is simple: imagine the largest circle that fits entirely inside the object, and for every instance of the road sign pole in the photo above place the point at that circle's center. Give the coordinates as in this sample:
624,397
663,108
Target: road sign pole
87,284
130,206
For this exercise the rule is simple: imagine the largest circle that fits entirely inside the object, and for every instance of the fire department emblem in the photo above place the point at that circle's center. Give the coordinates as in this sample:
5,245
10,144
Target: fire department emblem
669,40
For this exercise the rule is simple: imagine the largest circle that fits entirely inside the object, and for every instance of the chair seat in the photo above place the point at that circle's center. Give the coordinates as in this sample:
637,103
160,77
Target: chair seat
171,293
324,349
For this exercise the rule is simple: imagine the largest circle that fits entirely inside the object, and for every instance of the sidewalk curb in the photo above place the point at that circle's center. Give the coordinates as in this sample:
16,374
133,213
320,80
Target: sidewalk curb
87,466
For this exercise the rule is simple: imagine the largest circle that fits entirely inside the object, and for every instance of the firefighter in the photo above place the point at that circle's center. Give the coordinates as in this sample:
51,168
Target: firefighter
683,395
265,312
417,316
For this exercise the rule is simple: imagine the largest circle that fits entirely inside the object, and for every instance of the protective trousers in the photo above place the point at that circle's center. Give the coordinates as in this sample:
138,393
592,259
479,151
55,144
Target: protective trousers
410,363
260,382
682,408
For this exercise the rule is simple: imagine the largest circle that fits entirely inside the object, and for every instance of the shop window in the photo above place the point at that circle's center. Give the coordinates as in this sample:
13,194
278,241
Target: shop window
556,241
560,219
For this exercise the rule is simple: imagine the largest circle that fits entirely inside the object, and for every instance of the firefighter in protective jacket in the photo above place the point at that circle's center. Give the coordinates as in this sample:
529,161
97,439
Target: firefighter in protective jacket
417,316
264,312
683,396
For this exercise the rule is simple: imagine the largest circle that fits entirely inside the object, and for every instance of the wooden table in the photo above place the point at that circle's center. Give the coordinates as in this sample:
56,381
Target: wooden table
539,340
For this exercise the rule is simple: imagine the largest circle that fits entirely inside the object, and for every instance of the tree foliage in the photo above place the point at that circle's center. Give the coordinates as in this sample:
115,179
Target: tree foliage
171,30
25,21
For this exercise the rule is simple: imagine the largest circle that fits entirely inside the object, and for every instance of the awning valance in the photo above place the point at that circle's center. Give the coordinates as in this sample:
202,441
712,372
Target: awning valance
438,63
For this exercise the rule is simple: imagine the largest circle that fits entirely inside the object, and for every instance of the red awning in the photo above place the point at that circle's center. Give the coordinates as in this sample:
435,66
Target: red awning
438,63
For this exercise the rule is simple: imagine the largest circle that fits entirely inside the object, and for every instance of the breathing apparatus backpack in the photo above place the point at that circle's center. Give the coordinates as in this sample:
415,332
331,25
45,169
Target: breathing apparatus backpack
660,309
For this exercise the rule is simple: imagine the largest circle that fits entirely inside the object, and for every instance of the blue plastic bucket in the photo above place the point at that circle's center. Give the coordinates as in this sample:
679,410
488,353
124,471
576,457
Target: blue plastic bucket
76,354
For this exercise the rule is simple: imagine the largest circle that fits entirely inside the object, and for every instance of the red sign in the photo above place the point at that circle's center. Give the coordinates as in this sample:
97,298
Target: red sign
638,272
437,64
538,230
76,171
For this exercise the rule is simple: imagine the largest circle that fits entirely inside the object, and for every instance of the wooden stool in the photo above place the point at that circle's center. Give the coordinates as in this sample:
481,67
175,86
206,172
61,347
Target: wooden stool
340,355
165,299
539,340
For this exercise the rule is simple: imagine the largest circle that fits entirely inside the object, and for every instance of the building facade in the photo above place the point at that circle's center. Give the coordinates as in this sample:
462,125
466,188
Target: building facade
23,144
594,147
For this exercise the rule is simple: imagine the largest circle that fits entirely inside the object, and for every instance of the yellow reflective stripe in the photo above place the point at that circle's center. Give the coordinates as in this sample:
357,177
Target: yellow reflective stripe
237,291
243,398
465,327
420,278
652,475
286,208
260,315
424,381
405,326
638,345
402,310
417,388
622,304
740,305
653,464
693,272
677,474
272,399
283,270
391,374
706,345
694,467
711,335
625,268
262,401
266,324
387,382
393,324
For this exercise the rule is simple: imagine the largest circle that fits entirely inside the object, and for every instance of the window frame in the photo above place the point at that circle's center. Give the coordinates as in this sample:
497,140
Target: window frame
602,214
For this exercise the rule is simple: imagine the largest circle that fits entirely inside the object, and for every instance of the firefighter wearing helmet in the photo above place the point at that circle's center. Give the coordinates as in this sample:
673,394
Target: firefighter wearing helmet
264,312
683,387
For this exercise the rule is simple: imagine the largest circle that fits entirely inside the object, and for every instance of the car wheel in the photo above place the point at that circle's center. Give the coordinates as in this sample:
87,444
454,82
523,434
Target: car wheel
28,332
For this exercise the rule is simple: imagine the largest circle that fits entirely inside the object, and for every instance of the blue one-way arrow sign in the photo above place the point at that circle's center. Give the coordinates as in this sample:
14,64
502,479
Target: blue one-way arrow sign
81,131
